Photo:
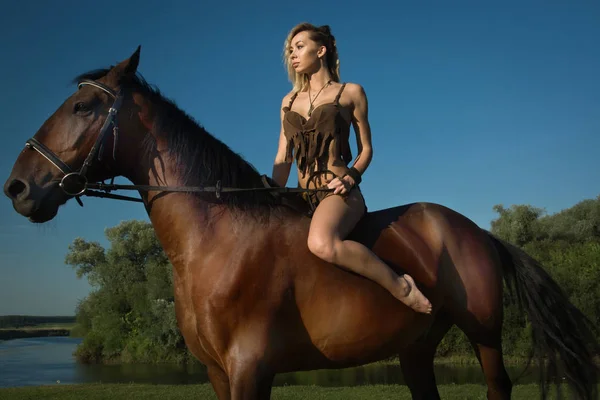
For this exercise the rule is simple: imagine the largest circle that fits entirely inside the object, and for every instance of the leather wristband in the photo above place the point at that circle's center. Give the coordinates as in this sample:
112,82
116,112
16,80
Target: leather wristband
353,172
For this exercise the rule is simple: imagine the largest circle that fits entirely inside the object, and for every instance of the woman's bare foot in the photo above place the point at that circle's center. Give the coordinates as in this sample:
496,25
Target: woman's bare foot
413,296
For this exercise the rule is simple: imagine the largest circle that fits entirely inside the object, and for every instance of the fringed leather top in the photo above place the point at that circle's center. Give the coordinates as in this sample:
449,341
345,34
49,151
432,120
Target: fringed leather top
308,140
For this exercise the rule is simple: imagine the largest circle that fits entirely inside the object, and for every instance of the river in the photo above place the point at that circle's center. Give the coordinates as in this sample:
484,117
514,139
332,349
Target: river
49,360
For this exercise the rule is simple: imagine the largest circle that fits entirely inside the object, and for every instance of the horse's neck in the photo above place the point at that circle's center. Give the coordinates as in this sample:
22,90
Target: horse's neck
180,220
185,227
189,229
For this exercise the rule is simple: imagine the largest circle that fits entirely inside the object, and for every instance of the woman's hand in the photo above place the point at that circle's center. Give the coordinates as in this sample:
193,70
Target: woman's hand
341,185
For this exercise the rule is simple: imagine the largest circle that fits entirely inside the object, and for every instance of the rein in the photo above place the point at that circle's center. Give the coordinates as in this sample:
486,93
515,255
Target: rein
75,183
104,189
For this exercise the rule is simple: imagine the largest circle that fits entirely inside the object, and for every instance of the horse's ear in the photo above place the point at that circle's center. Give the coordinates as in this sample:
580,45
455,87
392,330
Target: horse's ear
127,68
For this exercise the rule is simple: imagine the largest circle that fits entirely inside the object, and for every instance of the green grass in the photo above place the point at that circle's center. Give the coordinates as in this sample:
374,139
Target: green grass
463,359
205,391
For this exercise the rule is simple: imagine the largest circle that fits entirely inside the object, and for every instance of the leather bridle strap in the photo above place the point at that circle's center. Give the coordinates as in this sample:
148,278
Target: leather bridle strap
48,155
99,86
110,120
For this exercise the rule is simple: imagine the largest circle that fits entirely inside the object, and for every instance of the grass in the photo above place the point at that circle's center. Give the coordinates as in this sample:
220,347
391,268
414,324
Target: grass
98,391
463,359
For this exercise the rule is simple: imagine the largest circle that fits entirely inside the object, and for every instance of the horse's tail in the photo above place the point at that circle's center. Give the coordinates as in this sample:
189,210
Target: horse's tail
562,335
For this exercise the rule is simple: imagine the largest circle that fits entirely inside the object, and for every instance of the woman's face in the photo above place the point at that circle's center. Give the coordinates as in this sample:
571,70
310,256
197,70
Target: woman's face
304,53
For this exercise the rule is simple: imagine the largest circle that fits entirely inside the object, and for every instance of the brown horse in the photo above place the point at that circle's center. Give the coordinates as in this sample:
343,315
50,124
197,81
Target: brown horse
251,300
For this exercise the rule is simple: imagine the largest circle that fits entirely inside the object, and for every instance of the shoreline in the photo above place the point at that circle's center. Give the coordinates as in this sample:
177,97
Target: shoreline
24,333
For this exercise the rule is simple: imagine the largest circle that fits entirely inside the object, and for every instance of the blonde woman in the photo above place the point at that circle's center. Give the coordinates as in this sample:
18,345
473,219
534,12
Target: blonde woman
315,127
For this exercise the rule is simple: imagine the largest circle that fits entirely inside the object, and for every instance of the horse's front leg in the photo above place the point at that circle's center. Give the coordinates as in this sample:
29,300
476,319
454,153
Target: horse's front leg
220,382
250,379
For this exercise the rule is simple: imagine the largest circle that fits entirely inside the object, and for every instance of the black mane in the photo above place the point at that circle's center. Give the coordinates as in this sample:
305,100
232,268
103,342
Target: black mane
201,158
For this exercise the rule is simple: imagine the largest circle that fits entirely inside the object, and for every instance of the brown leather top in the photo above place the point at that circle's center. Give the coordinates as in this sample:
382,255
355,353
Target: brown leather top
308,140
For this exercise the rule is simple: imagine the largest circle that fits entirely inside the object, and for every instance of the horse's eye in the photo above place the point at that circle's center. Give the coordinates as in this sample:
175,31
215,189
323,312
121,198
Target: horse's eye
81,108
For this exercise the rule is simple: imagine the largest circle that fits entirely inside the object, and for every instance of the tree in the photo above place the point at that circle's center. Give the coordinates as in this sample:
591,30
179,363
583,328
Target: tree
130,314
518,224
576,224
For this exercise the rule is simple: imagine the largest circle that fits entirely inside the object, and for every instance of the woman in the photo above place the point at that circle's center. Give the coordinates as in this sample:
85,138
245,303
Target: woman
315,125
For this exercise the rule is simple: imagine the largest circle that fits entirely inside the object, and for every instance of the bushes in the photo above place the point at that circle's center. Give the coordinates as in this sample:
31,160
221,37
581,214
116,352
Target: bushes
129,316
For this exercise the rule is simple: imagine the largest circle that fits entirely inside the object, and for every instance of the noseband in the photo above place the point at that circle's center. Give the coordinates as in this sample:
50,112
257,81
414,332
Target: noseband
75,183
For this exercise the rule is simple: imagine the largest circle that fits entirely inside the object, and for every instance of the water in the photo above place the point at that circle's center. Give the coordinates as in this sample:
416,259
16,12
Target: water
49,360
37,361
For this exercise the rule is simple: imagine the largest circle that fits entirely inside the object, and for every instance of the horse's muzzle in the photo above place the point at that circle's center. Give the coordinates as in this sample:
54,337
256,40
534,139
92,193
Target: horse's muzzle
36,204
16,189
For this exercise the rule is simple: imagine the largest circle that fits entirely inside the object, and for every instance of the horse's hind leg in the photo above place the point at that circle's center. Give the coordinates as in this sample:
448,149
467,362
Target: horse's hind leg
417,360
483,327
477,308
489,353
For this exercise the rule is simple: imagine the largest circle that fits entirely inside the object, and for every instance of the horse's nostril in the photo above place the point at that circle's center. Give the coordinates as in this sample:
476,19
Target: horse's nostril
15,188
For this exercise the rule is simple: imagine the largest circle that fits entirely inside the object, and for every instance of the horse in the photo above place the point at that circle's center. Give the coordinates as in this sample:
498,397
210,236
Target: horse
251,300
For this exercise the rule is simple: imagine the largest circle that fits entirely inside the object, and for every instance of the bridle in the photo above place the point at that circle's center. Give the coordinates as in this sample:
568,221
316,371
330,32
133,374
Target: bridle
75,183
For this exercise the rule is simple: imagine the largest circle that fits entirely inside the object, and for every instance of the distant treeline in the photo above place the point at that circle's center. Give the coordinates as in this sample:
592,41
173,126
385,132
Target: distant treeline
130,315
7,334
21,321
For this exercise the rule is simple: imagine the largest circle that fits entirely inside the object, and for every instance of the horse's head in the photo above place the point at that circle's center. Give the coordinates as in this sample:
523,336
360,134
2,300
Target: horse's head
75,145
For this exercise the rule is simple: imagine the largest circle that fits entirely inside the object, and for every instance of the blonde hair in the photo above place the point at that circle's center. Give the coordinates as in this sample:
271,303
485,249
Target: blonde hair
322,35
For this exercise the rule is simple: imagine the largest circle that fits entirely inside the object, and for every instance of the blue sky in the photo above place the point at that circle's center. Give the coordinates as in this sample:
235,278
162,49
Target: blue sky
472,103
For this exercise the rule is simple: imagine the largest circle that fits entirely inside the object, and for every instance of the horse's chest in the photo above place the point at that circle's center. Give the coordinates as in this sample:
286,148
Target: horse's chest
196,320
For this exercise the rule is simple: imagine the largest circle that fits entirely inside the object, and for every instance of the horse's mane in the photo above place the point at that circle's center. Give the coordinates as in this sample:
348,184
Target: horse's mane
202,159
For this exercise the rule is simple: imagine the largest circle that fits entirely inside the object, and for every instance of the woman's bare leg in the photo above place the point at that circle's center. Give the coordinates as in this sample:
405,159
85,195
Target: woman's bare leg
333,219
